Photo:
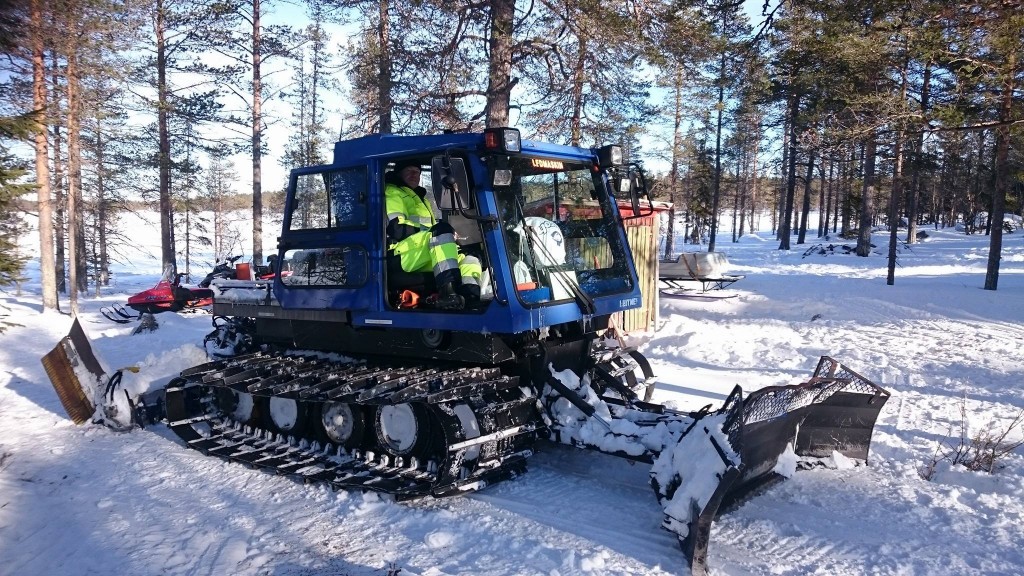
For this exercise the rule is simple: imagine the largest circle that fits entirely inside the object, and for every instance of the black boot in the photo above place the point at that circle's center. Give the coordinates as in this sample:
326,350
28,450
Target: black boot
470,293
447,299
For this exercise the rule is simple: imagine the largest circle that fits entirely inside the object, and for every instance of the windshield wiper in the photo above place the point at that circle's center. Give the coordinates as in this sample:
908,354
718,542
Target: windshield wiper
583,300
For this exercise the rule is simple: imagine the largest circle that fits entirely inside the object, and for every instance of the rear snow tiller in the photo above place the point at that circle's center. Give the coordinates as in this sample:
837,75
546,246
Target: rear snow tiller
327,373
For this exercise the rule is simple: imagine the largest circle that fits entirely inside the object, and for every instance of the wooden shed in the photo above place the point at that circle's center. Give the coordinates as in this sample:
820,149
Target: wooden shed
642,234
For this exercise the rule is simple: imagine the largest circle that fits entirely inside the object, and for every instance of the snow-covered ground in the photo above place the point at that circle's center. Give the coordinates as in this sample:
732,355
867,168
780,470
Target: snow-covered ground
86,500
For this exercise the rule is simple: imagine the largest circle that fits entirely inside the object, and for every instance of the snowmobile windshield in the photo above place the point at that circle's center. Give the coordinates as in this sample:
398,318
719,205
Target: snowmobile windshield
168,275
560,231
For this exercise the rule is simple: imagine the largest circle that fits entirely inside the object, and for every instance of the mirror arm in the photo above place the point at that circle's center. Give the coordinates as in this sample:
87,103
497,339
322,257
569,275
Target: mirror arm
487,218
459,208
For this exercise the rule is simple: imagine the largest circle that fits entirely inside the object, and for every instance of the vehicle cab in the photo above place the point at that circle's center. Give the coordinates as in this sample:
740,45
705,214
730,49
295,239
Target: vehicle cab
543,220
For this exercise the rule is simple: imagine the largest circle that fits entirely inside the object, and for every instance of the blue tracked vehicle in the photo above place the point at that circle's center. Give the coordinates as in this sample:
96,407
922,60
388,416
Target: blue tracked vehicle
340,371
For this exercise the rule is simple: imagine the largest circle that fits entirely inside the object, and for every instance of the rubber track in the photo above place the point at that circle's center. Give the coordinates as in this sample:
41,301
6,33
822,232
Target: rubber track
193,416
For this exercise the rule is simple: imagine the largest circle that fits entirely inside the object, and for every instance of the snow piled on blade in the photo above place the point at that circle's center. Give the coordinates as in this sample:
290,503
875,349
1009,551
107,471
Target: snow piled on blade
110,394
787,463
155,370
603,431
687,474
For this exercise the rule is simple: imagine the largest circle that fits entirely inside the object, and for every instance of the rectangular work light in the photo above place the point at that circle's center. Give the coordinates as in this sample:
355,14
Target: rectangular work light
502,140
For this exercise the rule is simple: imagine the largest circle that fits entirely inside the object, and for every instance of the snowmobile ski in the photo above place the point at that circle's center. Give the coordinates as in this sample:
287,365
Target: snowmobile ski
118,313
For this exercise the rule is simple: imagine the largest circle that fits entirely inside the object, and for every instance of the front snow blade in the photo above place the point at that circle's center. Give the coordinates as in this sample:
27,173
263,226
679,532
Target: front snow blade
66,365
725,455
844,420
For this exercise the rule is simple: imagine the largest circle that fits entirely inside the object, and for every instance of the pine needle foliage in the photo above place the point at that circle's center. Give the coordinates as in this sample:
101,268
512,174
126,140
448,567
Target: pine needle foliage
12,186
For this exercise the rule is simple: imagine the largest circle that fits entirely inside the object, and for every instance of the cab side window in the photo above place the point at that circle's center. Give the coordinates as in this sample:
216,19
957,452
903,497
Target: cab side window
348,196
333,199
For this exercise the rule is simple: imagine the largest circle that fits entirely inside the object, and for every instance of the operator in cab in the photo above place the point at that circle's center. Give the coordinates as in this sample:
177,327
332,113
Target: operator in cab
424,245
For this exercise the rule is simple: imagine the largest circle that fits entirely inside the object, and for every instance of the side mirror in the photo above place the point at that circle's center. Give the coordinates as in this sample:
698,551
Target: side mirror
637,187
450,183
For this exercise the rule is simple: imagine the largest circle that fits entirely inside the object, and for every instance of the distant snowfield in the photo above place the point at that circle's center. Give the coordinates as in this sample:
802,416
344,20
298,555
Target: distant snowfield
85,500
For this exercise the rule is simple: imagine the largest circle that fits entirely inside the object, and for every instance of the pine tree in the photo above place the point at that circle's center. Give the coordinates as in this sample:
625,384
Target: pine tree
12,187
191,224
47,266
185,92
576,96
679,38
216,191
309,137
730,26
250,44
89,37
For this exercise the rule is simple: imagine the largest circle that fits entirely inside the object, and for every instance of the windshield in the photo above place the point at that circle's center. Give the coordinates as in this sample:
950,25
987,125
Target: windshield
561,235
168,275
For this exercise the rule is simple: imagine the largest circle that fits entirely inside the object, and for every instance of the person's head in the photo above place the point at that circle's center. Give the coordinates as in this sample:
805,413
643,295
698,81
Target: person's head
408,172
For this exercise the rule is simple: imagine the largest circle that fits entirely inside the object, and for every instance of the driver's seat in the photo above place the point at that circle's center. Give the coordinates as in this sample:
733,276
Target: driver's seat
399,280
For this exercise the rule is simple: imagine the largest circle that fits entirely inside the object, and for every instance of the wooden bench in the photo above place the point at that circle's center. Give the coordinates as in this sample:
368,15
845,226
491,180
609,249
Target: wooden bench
707,268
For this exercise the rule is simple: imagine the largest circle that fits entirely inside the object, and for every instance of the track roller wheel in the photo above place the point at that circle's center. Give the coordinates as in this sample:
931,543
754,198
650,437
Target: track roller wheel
285,415
403,429
342,423
239,406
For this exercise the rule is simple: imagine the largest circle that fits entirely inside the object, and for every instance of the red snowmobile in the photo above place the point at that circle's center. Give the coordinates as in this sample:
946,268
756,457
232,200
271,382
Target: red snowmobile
167,296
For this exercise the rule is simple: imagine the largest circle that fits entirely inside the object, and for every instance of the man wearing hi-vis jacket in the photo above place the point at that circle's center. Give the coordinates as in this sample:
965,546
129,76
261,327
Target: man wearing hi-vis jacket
425,245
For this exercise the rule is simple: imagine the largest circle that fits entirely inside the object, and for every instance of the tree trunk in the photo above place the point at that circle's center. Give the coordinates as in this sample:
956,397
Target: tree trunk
897,192
756,180
60,198
915,167
1002,183
833,191
79,254
314,118
499,67
167,249
780,208
806,208
716,193
257,135
867,193
384,80
735,202
673,177
47,267
824,201
742,184
75,249
103,259
849,172
787,216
